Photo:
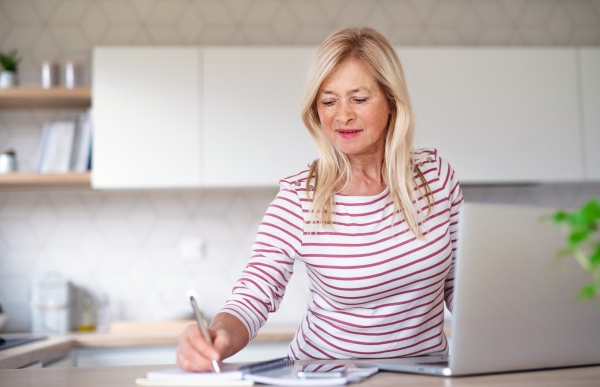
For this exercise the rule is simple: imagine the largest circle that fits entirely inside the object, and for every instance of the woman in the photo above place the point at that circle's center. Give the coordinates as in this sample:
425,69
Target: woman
373,219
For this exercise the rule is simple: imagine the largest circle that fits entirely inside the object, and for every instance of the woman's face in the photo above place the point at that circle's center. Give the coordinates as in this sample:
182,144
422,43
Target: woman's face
353,109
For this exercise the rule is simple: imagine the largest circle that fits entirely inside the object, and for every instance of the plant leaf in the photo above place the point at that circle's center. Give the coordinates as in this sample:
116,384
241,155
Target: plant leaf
595,258
591,210
577,219
587,292
10,60
578,236
560,216
564,252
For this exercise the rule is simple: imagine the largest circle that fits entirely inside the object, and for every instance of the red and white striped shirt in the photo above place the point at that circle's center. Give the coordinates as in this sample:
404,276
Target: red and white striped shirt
375,290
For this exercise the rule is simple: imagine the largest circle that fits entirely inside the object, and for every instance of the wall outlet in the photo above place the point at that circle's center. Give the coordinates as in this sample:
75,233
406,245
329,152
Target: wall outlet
192,249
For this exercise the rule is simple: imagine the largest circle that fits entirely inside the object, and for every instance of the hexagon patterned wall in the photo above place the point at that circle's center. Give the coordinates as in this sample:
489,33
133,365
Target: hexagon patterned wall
67,29
126,244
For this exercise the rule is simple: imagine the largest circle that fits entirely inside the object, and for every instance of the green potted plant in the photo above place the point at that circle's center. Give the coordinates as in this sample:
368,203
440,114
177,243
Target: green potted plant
582,230
8,76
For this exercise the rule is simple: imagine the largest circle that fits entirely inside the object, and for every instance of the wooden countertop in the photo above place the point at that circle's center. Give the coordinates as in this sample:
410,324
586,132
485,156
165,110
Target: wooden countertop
125,376
25,354
113,340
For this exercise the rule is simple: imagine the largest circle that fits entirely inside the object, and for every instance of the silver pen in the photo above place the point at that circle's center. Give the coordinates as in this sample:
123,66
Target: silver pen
203,328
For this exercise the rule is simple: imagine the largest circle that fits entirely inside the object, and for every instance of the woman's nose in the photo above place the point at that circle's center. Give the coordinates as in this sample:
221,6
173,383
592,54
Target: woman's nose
345,113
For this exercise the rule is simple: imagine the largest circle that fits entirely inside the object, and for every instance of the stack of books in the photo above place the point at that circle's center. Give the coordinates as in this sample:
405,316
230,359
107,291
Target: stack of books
66,145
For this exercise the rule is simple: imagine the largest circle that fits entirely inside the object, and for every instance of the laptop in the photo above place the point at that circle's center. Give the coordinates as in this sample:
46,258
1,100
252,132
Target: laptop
515,305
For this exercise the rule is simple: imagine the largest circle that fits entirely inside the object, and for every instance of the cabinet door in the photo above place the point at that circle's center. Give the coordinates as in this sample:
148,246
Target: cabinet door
125,356
253,132
498,115
146,109
590,91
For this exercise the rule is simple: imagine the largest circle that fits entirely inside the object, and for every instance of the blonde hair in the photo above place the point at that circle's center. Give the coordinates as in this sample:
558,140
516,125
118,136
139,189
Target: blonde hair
332,169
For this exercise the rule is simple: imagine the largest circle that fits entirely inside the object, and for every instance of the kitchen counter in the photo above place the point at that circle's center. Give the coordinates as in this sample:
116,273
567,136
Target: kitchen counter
126,375
25,354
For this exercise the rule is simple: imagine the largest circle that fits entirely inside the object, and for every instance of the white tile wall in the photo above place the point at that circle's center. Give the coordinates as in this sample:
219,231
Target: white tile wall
127,243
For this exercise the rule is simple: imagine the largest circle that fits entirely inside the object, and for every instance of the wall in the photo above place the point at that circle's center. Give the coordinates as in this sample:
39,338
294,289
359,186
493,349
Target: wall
127,243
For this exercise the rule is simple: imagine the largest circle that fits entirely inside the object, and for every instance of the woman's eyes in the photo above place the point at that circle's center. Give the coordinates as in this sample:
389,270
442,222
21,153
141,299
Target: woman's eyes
355,100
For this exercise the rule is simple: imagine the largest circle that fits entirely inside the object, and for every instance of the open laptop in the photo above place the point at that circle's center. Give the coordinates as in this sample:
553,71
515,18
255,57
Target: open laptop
515,305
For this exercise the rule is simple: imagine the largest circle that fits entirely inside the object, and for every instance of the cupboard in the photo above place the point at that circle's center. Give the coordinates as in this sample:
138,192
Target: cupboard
253,133
508,115
230,116
589,59
147,119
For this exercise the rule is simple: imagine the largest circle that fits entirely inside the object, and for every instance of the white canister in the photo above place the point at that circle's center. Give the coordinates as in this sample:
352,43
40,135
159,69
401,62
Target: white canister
52,305
8,79
50,74
73,74
8,162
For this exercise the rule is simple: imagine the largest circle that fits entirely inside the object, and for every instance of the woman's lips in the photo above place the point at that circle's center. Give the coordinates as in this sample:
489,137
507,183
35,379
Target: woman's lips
348,133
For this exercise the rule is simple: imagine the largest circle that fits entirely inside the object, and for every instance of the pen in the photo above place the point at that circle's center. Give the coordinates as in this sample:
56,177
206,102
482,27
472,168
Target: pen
203,328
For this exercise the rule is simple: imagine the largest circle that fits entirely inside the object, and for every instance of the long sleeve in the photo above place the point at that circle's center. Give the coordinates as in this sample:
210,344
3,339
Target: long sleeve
455,200
261,287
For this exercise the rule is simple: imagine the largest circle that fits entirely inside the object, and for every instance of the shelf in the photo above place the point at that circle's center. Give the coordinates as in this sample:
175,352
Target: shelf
33,98
45,180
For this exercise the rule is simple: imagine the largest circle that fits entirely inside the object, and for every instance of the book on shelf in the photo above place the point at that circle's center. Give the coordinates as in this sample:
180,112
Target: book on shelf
66,145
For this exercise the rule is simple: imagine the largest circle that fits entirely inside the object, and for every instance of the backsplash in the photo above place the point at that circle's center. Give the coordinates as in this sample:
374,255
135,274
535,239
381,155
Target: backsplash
126,243
68,29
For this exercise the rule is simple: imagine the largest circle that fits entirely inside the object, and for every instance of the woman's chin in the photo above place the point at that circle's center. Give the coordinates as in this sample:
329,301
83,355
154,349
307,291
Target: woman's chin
358,151
349,150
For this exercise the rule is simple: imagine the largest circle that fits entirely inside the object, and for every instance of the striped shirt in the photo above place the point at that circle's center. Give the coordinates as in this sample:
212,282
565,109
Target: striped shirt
375,290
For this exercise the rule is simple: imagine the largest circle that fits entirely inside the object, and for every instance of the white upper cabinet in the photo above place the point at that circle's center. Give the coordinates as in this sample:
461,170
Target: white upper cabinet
231,116
147,109
253,131
499,115
590,91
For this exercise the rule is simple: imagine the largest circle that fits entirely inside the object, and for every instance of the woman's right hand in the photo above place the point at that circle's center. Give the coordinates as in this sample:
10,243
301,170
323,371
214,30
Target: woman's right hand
195,354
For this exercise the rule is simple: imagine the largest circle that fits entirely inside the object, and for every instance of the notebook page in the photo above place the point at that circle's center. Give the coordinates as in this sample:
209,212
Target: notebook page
177,374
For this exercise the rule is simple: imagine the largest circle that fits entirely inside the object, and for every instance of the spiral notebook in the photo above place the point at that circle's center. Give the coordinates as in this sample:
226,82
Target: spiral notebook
277,372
